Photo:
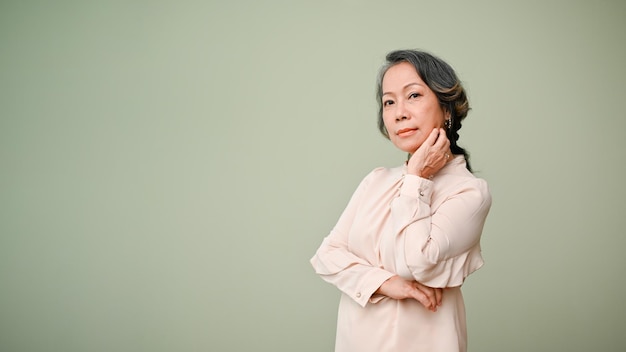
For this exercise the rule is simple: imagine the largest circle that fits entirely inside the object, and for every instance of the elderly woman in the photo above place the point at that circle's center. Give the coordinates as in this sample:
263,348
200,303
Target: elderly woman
410,235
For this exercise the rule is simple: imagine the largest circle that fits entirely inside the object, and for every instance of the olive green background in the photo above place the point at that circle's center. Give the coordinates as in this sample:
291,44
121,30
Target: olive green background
168,168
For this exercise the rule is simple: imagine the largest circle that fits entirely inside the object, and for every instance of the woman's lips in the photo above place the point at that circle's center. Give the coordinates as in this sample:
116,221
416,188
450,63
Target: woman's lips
405,132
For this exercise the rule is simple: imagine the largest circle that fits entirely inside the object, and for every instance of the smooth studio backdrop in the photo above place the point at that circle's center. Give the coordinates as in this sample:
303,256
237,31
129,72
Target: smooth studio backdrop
169,167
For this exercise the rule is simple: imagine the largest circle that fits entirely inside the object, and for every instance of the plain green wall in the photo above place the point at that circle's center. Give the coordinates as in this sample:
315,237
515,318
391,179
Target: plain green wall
168,168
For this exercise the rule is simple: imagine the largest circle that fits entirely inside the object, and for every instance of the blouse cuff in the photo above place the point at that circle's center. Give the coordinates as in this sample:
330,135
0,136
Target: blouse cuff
448,273
371,283
417,187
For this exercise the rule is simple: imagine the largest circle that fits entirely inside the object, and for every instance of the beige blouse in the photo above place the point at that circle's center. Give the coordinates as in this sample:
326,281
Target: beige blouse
401,224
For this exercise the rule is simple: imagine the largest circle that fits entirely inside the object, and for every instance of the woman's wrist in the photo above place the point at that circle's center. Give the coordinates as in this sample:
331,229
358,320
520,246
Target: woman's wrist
427,174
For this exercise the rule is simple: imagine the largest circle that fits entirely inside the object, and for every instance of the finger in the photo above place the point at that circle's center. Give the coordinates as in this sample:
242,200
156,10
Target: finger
432,137
430,294
446,139
421,297
439,296
442,139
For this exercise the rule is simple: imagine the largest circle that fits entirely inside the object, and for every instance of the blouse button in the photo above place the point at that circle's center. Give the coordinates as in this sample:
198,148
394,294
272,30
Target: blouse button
421,193
358,295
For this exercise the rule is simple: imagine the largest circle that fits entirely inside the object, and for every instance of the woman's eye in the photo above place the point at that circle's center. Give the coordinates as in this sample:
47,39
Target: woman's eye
414,95
387,102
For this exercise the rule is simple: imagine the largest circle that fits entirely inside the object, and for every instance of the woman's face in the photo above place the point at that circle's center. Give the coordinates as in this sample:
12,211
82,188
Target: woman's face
411,109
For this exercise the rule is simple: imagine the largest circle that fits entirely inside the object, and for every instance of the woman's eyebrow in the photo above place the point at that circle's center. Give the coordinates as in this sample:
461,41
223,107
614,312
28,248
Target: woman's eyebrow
405,87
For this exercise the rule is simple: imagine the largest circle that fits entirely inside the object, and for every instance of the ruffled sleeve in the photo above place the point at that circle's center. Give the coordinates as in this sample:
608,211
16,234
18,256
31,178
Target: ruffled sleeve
441,247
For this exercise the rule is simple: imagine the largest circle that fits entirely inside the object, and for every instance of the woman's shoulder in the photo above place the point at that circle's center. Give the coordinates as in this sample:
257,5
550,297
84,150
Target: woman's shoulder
458,176
382,175
382,172
465,178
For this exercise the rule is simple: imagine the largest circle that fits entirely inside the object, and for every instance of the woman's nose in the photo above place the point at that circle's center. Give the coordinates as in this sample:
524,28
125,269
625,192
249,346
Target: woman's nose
401,113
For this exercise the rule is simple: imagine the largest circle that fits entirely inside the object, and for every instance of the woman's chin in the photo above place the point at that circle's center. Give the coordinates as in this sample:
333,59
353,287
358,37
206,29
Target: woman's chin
408,148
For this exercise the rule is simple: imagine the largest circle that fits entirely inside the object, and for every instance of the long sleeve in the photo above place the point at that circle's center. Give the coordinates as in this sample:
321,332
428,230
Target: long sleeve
338,265
441,247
